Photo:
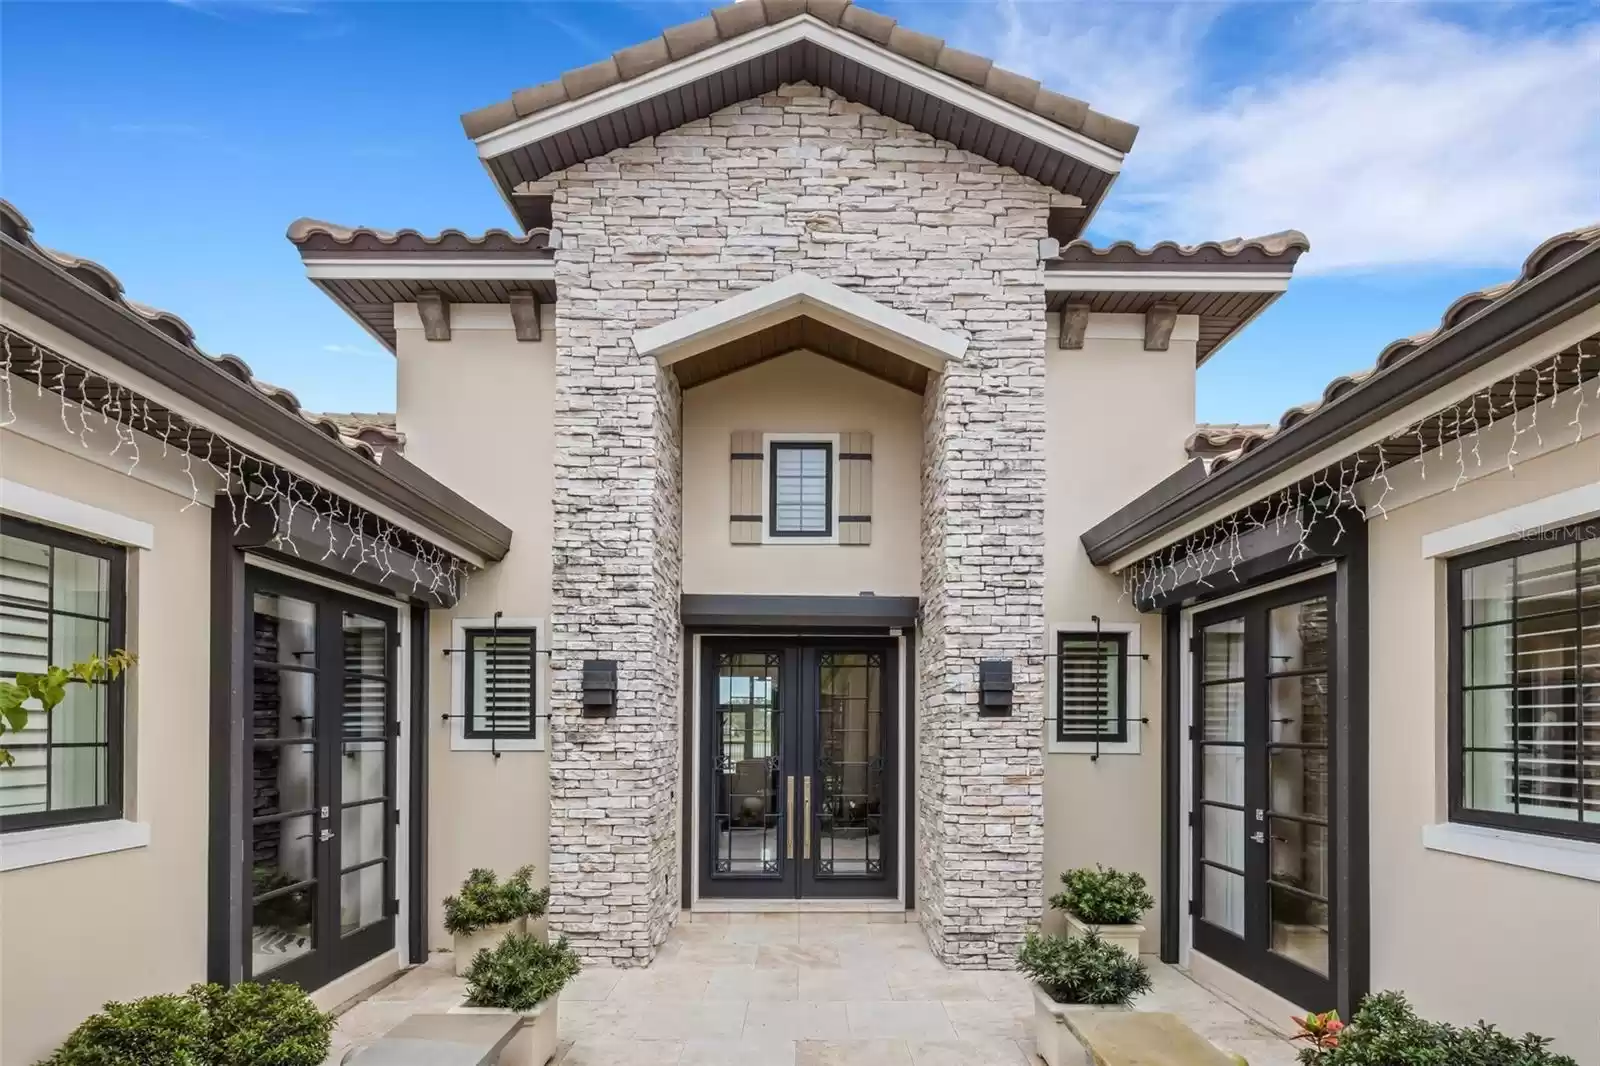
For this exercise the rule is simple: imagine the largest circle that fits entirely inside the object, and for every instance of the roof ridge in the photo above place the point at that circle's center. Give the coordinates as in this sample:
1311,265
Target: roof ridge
747,16
104,283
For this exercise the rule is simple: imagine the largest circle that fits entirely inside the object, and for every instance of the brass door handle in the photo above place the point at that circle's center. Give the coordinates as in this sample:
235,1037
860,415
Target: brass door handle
788,815
806,851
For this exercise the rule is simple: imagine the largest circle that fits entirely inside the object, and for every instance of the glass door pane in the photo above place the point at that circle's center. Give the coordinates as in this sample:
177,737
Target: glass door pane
365,773
1220,776
748,802
284,852
849,775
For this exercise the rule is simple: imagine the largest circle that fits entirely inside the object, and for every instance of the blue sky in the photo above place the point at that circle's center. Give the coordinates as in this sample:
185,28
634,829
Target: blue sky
1425,150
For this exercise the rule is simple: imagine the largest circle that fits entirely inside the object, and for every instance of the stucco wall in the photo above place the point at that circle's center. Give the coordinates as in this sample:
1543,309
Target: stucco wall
476,411
1464,937
802,392
1118,419
74,934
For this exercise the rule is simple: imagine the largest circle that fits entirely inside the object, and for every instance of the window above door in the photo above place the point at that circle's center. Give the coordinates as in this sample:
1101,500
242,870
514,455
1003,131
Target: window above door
800,493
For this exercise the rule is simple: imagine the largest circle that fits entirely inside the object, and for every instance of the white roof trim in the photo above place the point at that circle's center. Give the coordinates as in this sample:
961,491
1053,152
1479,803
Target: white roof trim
390,268
796,294
1056,280
751,45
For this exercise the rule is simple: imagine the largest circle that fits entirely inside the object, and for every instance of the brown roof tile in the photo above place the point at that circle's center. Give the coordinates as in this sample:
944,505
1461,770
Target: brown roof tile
736,20
310,234
1284,248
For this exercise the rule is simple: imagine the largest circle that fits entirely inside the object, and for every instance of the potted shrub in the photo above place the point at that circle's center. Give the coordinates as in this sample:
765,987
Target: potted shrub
1110,901
522,975
486,910
1386,1029
209,1025
1072,974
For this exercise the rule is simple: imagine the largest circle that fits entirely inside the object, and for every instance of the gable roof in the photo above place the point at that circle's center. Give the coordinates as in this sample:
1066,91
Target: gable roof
1558,280
745,49
83,298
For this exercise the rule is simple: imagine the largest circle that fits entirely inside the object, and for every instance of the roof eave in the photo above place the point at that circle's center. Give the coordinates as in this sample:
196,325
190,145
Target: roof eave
1540,304
45,291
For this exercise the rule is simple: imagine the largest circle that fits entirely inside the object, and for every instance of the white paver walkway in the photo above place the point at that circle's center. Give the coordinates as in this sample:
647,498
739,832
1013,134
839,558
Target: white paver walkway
802,990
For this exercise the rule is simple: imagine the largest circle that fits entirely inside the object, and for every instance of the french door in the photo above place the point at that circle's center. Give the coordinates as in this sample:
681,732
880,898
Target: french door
319,857
1262,830
799,769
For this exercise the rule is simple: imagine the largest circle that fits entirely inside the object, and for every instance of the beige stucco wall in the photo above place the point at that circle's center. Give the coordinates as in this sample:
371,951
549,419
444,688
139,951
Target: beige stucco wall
1118,417
802,392
74,934
477,414
1463,937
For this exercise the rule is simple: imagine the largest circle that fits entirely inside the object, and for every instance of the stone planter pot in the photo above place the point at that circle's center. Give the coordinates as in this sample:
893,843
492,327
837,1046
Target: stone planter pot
1125,937
469,944
1053,1039
535,1042
540,927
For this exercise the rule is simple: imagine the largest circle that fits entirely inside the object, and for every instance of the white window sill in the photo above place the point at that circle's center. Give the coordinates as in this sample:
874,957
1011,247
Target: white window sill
60,843
1554,855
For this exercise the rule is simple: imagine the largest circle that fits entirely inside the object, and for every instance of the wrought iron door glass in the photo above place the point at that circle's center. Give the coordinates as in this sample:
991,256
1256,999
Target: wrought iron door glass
747,722
849,765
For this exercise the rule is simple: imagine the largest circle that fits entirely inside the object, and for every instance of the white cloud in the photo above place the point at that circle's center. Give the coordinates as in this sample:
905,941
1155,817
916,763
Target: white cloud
1389,134
348,349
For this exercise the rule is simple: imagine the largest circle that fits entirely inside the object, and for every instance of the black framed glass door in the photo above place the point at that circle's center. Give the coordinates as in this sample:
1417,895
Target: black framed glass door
320,693
800,775
1262,833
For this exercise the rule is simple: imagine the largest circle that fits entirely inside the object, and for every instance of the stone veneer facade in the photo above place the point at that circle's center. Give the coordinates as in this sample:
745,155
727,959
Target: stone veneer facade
797,179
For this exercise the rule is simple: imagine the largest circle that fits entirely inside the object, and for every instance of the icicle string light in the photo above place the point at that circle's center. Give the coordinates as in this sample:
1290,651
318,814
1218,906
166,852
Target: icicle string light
1330,497
353,533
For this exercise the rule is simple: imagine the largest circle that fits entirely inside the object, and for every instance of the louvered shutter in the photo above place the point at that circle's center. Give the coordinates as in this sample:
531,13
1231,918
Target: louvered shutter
855,488
1089,680
501,699
746,468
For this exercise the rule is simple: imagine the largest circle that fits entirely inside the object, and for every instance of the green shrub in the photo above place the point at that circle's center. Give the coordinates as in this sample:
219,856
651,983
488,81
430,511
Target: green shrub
1084,969
1103,897
484,900
520,972
264,1025
248,1025
171,1030
1386,1031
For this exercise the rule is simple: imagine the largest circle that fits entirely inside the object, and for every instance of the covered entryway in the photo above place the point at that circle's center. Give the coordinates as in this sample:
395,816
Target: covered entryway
799,795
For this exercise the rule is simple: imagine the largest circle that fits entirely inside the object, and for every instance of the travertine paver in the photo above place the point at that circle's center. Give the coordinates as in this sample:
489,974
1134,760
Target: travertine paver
802,990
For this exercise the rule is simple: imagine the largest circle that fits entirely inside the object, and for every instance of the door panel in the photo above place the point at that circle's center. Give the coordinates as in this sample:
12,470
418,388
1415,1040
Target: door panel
799,781
320,858
1261,769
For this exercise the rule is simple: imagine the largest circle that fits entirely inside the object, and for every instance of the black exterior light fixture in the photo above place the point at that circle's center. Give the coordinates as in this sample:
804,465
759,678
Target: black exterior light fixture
994,688
599,688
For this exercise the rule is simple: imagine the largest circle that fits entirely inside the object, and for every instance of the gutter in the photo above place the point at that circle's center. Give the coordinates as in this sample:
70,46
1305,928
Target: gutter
1537,306
45,291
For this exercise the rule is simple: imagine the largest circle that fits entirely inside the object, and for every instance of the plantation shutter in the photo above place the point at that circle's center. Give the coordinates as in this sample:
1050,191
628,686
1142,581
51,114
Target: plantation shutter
501,699
1088,685
25,648
746,468
855,488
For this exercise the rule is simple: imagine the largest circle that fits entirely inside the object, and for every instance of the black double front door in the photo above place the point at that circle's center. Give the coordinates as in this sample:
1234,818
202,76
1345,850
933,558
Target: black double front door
799,748
320,781
1263,836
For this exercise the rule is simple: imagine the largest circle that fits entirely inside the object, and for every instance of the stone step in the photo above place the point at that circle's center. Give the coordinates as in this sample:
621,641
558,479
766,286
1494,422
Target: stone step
439,1040
1139,1038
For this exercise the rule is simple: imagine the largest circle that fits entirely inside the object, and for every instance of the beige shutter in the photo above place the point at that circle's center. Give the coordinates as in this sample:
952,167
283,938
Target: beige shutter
746,468
855,488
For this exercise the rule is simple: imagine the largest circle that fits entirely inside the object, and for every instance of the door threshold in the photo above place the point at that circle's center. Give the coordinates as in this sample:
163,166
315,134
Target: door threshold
886,910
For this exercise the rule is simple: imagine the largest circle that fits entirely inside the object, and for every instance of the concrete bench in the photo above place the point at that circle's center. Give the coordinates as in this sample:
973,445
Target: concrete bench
1136,1038
439,1040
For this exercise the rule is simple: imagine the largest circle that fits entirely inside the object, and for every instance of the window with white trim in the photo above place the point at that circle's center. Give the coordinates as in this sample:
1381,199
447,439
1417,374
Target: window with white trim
1524,685
800,496
501,684
62,601
1091,687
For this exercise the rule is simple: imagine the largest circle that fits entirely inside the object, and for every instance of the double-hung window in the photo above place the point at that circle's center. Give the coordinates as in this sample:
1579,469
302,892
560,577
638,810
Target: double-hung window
800,502
61,602
502,684
1524,685
1091,687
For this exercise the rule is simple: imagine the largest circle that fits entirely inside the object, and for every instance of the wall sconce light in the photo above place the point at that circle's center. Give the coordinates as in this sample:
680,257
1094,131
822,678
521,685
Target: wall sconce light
994,688
599,688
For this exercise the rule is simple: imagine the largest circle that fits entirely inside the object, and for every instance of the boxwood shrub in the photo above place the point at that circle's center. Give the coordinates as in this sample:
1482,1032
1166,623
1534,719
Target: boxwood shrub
485,900
1103,897
1086,969
520,972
